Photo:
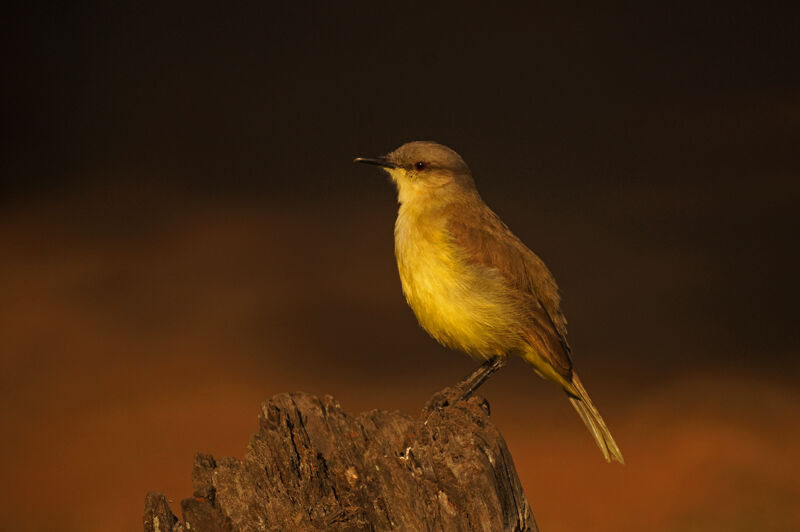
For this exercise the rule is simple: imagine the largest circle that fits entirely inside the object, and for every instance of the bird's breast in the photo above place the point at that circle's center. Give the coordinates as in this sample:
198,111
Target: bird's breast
462,305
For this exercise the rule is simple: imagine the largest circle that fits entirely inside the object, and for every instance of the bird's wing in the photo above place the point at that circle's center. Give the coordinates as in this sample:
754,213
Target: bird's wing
487,241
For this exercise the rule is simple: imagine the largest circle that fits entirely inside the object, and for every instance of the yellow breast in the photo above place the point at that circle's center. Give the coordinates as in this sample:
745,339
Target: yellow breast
463,306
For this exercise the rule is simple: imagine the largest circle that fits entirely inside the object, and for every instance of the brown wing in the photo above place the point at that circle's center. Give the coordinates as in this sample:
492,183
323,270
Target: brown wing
486,240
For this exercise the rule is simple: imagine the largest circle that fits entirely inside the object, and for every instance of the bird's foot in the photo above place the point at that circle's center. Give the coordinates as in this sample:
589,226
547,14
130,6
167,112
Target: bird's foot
441,402
442,399
464,389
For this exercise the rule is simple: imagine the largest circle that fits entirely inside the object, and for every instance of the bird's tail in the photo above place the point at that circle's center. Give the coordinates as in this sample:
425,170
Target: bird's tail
592,419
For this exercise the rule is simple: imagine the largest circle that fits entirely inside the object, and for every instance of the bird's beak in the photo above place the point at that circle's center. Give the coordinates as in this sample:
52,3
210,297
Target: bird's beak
379,161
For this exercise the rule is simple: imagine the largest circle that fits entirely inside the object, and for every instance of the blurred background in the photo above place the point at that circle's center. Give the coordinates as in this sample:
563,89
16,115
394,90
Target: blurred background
183,235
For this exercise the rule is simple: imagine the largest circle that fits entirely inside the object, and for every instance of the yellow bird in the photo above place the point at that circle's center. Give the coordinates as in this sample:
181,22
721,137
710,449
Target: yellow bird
471,283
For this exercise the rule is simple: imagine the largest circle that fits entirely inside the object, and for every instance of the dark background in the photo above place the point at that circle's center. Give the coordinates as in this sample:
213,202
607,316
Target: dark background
183,234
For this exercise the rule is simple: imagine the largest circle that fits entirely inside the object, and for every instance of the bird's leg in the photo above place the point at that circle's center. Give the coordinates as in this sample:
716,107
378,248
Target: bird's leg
465,388
468,386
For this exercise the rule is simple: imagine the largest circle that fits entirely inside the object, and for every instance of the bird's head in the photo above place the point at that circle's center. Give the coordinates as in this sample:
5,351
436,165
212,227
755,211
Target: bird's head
425,171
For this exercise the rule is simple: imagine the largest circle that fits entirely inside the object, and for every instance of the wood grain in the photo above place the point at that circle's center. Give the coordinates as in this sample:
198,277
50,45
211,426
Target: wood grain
313,467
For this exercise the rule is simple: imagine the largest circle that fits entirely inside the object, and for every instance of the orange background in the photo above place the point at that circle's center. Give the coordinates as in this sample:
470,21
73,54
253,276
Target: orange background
183,235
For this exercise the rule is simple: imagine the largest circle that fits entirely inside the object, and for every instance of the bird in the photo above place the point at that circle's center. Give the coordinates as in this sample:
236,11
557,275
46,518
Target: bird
472,284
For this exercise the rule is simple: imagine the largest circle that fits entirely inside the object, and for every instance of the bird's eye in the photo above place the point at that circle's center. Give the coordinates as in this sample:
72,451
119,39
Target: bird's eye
419,165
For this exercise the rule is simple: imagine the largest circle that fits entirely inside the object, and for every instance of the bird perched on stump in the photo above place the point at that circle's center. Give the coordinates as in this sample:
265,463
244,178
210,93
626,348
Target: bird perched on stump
471,283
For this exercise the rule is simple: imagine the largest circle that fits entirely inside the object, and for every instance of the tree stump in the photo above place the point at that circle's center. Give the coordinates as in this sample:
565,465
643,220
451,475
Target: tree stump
312,467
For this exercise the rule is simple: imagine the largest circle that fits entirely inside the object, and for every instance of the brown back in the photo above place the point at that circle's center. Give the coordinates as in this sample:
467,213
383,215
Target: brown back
487,241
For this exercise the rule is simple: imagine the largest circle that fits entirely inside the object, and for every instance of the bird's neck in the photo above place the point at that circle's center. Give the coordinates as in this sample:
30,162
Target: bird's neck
419,220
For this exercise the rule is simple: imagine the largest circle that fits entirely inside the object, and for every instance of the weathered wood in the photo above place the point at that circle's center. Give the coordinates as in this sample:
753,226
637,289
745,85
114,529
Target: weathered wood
313,467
